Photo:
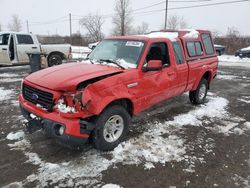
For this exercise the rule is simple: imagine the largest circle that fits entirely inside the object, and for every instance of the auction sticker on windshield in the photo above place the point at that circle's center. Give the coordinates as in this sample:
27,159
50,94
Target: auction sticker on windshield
134,43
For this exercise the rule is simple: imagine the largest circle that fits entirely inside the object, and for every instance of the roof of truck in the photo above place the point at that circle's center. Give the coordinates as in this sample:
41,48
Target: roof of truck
14,32
169,34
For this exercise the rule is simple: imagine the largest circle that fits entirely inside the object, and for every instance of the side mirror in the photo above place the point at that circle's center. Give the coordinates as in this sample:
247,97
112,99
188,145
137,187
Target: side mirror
153,65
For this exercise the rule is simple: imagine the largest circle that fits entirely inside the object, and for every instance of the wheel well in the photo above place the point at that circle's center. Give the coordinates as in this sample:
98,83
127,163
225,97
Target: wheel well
126,103
207,76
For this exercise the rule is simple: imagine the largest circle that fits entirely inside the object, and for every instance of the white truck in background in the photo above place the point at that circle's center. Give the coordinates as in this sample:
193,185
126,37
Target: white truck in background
14,47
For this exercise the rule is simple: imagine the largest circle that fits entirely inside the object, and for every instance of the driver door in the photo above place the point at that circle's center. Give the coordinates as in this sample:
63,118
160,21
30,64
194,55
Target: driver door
4,49
158,85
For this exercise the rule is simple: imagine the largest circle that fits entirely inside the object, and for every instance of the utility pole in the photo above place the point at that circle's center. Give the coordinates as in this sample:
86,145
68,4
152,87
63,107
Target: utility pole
166,15
70,28
27,23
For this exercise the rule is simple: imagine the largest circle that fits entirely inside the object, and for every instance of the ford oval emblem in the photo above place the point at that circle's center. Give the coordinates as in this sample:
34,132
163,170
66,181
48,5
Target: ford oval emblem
34,96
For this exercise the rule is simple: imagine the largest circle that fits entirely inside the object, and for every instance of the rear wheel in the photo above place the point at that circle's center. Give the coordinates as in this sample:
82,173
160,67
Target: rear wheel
54,59
199,95
111,128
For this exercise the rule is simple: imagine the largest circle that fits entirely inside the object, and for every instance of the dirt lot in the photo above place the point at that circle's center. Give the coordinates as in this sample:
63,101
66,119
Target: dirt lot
172,145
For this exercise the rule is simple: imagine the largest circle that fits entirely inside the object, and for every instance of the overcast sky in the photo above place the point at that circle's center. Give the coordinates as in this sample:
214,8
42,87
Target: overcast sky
51,16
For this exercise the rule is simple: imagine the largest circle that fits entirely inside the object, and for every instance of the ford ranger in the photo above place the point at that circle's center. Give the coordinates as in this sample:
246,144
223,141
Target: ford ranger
123,76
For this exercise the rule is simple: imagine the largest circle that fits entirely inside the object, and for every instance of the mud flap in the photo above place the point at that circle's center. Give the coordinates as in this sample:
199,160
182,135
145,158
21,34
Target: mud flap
34,125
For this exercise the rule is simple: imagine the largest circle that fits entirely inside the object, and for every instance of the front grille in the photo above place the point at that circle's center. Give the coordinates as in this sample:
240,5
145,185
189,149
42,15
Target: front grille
37,96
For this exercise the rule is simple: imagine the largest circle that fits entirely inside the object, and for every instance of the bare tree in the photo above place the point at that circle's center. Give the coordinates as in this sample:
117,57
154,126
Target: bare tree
0,27
232,32
233,40
93,24
176,22
141,29
122,18
15,24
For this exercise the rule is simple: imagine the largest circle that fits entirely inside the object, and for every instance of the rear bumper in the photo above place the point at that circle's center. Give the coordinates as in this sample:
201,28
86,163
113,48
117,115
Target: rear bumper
76,132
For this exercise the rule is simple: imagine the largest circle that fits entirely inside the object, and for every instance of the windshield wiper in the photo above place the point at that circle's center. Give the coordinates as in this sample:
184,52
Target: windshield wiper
111,61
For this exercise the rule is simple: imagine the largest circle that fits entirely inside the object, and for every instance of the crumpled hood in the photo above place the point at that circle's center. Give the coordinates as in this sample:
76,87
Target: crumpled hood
66,77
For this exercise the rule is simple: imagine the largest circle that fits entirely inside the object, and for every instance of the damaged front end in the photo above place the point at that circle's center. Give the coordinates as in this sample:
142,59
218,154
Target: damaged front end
69,119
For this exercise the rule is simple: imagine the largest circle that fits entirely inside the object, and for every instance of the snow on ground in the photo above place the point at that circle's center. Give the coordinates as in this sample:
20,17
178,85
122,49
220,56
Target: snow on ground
110,185
227,77
245,99
5,94
232,61
160,143
8,75
15,136
7,80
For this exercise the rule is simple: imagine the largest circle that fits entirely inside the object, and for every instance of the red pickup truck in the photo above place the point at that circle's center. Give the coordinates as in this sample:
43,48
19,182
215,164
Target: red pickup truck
123,76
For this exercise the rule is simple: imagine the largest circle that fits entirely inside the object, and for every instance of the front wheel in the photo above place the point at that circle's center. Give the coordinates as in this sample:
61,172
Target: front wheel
111,128
199,95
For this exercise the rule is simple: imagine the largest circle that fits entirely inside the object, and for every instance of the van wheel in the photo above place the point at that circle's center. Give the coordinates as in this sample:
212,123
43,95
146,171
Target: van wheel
54,59
199,95
111,128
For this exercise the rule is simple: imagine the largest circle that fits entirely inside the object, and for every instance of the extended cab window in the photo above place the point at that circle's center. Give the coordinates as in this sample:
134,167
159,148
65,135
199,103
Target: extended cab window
178,53
24,39
207,44
4,38
159,51
194,48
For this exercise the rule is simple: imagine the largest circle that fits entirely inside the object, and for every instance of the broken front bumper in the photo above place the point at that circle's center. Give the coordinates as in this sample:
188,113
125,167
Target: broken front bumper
76,131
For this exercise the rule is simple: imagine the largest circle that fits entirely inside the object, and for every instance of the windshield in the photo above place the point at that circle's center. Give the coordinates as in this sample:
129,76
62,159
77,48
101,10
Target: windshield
123,52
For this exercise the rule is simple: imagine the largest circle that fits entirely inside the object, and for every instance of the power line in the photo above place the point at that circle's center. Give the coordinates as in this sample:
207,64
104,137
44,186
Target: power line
194,6
163,2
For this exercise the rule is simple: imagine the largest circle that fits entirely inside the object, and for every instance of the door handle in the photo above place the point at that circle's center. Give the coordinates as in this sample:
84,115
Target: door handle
34,47
4,48
171,73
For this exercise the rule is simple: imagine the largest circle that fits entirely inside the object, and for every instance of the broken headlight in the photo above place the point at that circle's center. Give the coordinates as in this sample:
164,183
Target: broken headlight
70,102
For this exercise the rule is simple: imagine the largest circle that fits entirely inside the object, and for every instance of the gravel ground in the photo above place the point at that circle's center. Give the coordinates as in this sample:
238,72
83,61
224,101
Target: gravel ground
174,144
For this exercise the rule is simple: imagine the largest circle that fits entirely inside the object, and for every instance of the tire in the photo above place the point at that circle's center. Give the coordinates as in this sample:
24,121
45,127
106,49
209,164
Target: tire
54,59
199,95
107,136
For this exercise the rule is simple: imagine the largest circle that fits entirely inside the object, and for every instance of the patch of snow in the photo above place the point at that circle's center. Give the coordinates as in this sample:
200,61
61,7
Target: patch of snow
148,166
247,125
227,77
8,75
232,61
8,80
150,147
15,136
191,34
14,185
245,101
238,131
169,35
110,185
218,45
90,166
5,94
126,64
215,108
245,49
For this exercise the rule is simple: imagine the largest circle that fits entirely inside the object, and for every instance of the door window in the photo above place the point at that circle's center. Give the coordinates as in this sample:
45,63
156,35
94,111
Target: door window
4,38
24,39
194,48
178,53
159,51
